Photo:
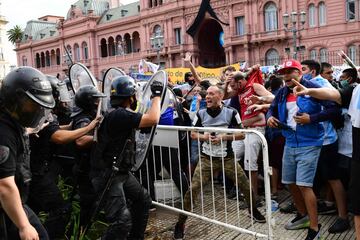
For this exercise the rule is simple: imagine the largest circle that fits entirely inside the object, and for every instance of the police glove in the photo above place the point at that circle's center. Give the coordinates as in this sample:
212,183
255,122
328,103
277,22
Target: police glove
156,88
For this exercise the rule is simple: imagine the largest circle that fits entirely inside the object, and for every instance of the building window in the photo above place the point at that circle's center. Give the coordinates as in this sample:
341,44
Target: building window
312,22
85,51
177,36
352,53
240,25
313,54
323,55
76,52
272,57
322,14
350,10
24,61
157,31
270,17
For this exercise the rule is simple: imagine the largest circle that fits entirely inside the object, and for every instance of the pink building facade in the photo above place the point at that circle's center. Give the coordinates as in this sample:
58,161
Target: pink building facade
103,34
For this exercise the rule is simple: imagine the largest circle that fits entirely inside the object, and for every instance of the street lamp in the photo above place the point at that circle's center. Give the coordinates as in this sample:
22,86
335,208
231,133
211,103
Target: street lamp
157,43
294,18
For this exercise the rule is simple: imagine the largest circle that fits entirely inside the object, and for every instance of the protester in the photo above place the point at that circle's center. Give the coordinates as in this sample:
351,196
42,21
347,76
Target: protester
216,115
299,118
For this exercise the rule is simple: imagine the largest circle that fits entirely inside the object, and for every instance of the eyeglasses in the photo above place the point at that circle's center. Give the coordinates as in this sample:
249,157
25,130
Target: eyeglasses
329,72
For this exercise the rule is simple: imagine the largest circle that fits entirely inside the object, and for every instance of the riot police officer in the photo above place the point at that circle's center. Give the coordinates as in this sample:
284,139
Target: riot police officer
126,203
44,192
87,99
25,98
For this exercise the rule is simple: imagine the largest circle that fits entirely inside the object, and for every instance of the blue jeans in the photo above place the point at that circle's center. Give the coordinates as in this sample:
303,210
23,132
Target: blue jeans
194,156
299,165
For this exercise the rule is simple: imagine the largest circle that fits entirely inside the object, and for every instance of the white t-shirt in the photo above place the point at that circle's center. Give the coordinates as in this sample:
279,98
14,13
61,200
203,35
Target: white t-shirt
354,108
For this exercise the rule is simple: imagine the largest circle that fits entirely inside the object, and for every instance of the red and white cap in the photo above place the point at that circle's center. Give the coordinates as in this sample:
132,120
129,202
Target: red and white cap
290,64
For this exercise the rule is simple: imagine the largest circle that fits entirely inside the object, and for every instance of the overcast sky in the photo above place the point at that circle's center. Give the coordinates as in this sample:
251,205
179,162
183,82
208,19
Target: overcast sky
18,12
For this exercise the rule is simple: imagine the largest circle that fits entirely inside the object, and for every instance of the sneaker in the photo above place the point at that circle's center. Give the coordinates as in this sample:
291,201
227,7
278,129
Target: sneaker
339,226
299,222
243,204
312,234
179,231
324,209
290,208
257,216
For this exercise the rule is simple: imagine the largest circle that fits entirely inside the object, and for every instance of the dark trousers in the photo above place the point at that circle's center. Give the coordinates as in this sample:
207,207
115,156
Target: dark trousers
170,163
13,231
126,208
44,195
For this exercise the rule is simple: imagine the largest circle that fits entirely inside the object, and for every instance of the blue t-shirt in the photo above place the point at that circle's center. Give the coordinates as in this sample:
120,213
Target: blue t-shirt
167,118
330,132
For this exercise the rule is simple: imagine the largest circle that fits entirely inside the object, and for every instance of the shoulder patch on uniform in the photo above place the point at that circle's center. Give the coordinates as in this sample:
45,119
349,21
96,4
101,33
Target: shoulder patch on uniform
4,153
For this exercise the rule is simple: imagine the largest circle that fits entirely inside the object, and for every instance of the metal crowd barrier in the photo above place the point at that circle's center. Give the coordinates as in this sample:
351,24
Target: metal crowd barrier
168,152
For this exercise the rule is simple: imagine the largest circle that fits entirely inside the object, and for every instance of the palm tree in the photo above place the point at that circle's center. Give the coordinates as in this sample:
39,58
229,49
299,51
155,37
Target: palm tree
15,34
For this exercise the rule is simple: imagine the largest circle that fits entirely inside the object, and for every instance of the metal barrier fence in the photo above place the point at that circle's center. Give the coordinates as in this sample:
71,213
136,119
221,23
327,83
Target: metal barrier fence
171,150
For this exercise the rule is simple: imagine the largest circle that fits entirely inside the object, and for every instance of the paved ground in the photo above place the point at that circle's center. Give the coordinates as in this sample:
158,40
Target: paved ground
162,221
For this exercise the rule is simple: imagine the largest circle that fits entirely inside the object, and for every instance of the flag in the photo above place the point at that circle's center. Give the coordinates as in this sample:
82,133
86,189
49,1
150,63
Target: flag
141,66
153,67
243,66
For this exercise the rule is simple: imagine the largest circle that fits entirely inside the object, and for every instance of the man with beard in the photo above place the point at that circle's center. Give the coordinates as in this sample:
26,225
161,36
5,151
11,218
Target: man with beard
249,90
348,96
213,153
126,203
303,144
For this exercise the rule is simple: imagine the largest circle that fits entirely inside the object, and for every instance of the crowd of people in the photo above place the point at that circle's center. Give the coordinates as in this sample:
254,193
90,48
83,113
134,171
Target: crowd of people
310,120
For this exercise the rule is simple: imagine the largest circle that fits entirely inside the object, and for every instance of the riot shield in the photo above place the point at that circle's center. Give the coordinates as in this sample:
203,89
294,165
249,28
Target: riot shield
80,75
144,136
109,75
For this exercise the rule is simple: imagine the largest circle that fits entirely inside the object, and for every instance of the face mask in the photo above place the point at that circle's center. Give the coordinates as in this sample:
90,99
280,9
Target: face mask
307,76
191,82
344,83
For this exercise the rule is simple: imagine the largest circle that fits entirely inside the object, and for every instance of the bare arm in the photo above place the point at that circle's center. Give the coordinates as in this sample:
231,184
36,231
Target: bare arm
11,203
152,116
187,59
319,93
66,136
263,92
325,94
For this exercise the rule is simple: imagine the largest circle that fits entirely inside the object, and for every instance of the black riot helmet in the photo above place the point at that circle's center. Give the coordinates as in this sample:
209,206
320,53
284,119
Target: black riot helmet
59,89
27,95
122,87
85,98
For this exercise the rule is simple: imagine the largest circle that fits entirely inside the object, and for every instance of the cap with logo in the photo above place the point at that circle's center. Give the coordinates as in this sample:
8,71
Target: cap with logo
290,64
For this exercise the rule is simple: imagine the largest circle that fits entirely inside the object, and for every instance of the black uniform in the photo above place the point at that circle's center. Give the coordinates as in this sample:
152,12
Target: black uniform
15,161
127,202
44,192
82,169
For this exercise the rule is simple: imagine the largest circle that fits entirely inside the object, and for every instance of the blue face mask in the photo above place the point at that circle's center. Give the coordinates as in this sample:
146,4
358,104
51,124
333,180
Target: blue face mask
307,76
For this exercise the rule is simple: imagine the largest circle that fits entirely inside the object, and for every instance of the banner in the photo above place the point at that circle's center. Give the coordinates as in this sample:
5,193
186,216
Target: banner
176,75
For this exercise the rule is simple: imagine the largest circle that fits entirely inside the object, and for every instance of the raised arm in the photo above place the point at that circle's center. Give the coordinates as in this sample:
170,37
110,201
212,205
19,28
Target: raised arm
187,60
319,93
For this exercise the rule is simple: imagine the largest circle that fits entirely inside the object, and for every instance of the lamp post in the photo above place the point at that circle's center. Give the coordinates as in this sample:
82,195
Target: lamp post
157,43
294,29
